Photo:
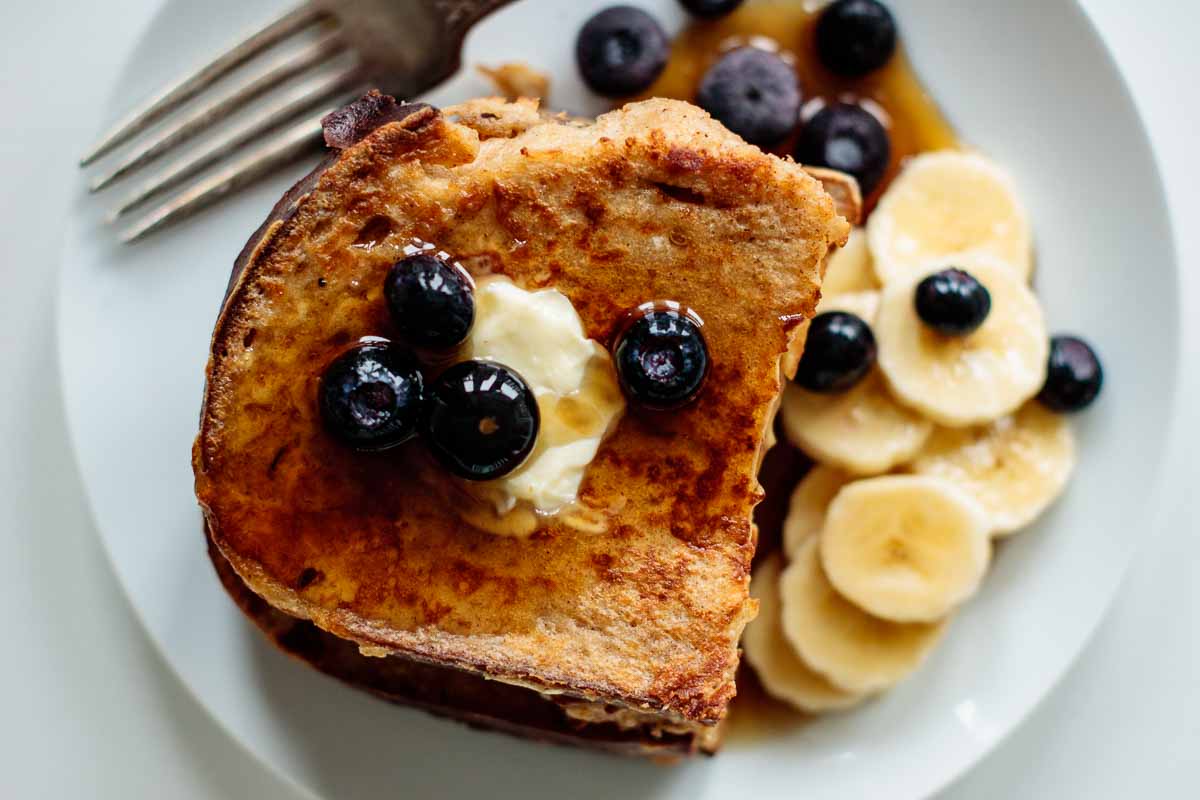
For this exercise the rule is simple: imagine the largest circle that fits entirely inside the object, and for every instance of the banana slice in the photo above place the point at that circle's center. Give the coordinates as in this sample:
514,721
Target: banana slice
1014,467
944,204
809,502
780,670
965,380
849,268
854,650
862,431
906,548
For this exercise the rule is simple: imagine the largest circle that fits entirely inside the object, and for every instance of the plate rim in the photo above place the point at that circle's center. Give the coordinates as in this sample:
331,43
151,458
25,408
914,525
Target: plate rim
981,746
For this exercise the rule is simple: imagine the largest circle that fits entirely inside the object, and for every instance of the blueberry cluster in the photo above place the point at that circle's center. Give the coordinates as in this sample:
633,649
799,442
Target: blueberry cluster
756,93
478,418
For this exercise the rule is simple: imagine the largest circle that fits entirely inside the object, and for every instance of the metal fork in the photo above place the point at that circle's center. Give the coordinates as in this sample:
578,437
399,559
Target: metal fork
402,47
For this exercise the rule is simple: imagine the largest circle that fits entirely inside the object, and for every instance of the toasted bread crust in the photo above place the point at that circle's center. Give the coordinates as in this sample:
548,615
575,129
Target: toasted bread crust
445,691
655,201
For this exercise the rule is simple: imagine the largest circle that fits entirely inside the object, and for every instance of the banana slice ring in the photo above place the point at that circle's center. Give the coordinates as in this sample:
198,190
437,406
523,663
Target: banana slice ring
965,380
946,204
906,548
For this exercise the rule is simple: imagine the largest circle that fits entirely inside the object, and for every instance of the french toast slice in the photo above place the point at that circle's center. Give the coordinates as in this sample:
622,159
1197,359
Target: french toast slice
634,617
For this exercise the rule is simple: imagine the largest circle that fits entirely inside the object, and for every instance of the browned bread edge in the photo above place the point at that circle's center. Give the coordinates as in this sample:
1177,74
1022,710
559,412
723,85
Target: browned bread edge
440,690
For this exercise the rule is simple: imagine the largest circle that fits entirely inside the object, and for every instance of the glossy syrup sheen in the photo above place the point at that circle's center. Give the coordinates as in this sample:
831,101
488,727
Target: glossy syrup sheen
755,717
893,93
915,124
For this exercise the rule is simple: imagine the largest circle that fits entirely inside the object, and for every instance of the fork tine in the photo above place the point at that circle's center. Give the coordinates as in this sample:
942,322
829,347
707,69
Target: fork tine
285,147
279,71
183,90
298,99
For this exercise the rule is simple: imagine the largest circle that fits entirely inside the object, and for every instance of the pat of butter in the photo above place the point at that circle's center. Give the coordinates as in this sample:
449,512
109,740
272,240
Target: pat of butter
540,335
536,333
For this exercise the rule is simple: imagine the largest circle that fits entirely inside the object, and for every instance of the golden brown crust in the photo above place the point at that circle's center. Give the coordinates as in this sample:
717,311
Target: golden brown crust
655,201
448,692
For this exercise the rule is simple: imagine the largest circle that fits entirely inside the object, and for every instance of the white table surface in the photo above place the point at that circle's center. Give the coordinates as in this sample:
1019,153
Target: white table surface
87,707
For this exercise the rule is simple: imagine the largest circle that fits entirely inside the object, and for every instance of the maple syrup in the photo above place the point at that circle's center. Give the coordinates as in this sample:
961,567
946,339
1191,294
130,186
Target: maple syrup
755,716
893,93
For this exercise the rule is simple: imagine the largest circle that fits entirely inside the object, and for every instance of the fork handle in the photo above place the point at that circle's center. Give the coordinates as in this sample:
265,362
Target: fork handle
462,14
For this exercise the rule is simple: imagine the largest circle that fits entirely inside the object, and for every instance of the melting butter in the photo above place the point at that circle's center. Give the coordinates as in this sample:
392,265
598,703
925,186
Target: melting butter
539,334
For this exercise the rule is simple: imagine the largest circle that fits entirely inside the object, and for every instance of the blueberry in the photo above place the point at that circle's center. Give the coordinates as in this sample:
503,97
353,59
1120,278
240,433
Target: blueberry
952,302
710,9
753,93
661,359
838,353
1074,375
371,396
847,138
431,301
481,420
620,51
855,37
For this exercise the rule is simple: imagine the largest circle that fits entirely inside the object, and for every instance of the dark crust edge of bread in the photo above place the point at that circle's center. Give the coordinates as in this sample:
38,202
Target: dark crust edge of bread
418,114
431,688
258,250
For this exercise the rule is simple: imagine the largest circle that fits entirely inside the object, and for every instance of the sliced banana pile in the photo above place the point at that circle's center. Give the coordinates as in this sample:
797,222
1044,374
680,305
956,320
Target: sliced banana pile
819,642
923,395
780,670
854,650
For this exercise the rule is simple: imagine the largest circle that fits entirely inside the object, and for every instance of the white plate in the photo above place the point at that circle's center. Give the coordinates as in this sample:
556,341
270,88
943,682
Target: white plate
1028,82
